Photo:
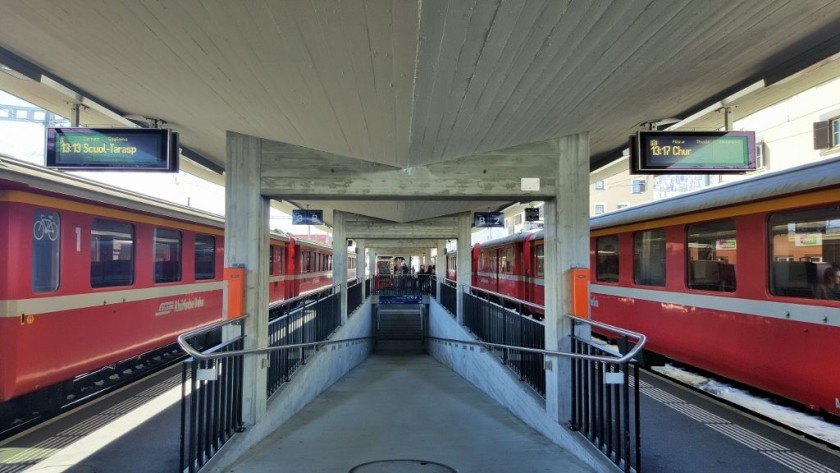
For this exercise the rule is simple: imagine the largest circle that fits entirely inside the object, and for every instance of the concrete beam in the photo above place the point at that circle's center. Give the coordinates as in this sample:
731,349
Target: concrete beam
358,226
293,172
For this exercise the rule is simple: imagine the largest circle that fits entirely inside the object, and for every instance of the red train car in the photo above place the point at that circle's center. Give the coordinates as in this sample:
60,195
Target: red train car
92,275
513,266
741,280
728,280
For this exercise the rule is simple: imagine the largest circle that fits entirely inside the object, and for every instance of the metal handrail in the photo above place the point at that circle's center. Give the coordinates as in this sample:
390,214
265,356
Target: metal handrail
623,359
182,339
251,351
306,295
508,298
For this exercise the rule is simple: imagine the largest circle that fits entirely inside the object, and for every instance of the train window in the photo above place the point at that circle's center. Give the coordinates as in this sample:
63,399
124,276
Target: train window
540,255
509,261
649,257
711,256
46,250
805,253
205,257
111,253
606,258
167,255
307,261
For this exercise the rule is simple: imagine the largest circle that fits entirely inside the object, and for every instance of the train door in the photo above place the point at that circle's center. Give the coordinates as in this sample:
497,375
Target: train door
535,274
497,263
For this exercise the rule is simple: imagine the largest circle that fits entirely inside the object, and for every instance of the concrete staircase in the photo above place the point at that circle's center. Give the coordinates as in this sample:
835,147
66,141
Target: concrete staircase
400,330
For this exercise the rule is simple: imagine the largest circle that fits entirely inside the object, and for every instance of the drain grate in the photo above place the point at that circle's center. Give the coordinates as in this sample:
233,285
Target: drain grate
402,466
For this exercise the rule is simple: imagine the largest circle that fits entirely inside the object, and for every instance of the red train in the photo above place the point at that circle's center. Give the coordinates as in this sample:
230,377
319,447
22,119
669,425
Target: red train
93,275
741,280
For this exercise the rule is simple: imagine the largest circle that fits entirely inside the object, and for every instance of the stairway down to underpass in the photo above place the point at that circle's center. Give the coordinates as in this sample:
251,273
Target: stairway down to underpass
399,330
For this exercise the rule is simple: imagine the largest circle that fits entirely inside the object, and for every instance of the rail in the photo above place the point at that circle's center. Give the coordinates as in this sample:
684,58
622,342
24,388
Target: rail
602,380
604,359
212,380
512,300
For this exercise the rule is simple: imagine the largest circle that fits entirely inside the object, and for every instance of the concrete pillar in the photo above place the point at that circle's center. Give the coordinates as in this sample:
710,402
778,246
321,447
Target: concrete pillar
361,266
566,247
440,265
465,221
246,244
340,260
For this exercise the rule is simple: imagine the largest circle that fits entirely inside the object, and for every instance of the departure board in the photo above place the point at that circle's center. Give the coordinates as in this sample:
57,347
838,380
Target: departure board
112,149
692,152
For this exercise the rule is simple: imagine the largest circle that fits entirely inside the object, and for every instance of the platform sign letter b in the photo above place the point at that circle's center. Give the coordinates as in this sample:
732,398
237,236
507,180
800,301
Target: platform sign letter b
488,219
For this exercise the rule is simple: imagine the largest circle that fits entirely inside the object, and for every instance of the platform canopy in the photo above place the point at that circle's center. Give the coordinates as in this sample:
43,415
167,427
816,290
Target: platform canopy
405,109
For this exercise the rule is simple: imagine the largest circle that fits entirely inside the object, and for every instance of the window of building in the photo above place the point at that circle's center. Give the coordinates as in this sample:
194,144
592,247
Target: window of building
759,155
600,208
205,257
517,219
606,258
639,186
46,250
711,256
167,255
600,185
111,253
649,257
804,249
622,205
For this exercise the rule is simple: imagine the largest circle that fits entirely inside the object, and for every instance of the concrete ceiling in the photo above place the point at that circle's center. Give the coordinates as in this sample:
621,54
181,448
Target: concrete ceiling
401,83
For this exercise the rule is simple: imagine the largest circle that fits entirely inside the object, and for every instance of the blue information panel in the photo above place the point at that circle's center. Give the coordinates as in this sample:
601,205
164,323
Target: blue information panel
488,219
307,217
403,299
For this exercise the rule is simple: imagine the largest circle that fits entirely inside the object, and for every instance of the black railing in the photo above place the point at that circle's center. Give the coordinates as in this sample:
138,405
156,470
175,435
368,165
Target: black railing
289,305
312,322
354,296
400,284
211,404
493,323
605,387
449,296
605,403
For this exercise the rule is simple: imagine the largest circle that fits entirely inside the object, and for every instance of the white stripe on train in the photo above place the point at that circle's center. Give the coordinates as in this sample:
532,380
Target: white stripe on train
825,316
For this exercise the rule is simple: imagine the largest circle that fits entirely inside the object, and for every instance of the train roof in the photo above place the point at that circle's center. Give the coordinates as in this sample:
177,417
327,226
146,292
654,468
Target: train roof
812,176
515,238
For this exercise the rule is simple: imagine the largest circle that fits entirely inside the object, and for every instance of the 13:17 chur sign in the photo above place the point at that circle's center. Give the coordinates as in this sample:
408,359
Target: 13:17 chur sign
692,152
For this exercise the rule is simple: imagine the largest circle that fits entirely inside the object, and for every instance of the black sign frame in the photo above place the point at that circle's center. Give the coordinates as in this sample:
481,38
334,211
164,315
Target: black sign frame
645,143
112,149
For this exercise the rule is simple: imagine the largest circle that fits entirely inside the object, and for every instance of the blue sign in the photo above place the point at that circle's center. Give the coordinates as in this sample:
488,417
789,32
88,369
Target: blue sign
488,219
403,299
307,217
